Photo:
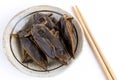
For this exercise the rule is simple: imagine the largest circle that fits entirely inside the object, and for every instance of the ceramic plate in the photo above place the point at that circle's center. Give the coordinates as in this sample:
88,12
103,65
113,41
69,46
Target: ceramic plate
12,48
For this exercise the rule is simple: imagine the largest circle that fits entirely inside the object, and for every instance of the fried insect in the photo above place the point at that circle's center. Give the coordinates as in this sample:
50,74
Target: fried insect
30,49
49,43
40,18
66,31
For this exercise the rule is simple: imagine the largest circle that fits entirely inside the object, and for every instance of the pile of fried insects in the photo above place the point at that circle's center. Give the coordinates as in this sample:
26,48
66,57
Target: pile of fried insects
47,37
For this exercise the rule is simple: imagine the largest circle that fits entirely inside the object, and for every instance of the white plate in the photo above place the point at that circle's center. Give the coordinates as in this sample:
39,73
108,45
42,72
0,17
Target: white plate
12,48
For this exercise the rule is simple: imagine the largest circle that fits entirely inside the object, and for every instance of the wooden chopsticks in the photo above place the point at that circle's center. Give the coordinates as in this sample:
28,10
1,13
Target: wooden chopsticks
92,42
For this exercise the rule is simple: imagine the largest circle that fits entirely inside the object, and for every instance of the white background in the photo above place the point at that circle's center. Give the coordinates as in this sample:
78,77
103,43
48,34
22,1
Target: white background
103,18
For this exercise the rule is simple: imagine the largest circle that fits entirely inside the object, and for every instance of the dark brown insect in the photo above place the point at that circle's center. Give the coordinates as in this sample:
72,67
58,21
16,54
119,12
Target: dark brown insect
44,19
49,44
66,31
31,50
